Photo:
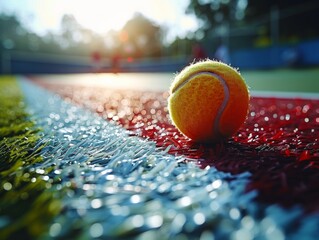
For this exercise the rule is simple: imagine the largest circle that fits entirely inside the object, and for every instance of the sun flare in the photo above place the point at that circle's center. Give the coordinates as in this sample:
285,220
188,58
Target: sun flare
103,15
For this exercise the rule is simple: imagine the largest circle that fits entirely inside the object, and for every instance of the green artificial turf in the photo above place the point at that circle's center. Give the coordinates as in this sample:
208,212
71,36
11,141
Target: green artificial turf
27,205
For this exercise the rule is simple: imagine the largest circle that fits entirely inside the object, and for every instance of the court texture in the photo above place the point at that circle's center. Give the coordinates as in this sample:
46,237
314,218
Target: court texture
95,156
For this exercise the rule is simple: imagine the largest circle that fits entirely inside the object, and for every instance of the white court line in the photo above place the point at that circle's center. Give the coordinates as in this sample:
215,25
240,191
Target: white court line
123,184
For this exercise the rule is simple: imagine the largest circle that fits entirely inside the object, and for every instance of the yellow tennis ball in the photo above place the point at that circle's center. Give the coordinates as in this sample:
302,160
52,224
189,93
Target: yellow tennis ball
208,101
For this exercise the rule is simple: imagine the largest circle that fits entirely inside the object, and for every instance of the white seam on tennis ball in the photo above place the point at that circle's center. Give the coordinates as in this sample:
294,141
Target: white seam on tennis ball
225,100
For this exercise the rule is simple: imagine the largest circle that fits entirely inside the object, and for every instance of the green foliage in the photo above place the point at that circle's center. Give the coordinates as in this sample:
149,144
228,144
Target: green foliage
144,39
214,13
255,20
15,36
27,205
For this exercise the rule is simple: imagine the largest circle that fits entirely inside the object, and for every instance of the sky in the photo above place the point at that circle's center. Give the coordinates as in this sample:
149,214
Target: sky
101,16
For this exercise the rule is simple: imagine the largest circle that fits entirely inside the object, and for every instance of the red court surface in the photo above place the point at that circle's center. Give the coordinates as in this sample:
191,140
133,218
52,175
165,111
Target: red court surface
278,144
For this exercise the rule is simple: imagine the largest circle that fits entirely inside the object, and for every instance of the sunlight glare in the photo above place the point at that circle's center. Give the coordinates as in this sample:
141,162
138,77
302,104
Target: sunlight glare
102,15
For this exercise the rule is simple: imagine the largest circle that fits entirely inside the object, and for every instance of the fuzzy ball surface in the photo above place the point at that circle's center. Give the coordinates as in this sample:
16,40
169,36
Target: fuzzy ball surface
208,101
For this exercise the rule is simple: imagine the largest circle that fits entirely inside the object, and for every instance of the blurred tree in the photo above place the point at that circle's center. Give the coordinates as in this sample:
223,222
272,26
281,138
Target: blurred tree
292,19
219,18
217,14
77,40
263,22
15,37
9,27
140,37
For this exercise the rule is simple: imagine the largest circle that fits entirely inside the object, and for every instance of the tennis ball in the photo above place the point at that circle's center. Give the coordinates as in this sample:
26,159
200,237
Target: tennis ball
208,101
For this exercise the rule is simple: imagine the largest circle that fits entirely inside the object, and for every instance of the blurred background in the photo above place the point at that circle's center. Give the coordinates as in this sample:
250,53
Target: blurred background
79,36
